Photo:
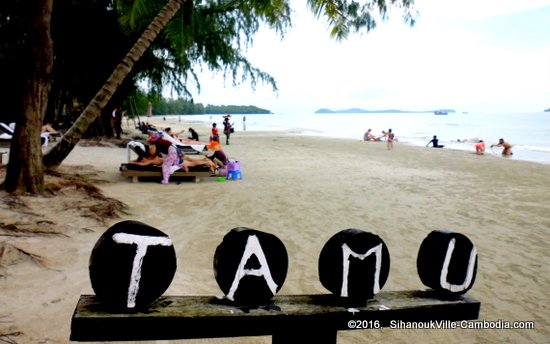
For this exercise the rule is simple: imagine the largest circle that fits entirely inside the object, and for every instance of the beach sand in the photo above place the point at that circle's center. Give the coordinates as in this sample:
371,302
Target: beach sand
303,190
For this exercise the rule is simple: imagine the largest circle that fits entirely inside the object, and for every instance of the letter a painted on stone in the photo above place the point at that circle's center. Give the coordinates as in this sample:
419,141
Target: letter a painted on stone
252,247
250,266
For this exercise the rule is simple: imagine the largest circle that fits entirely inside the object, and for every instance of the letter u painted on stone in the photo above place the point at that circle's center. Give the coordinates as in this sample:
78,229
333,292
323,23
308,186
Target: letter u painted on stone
447,262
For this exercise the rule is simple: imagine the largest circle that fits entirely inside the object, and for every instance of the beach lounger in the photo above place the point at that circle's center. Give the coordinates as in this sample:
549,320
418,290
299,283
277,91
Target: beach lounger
189,146
193,148
155,172
6,134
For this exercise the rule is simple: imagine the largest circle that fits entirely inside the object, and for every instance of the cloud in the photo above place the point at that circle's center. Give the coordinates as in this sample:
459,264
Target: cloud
459,55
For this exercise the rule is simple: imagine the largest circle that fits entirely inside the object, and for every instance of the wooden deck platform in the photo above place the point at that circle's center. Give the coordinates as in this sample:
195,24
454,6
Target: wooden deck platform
157,173
315,317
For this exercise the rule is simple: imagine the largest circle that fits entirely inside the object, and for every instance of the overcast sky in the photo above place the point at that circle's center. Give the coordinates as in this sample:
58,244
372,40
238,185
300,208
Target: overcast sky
469,55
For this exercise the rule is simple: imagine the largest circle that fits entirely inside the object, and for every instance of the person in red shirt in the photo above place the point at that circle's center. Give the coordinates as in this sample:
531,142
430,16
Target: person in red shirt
215,134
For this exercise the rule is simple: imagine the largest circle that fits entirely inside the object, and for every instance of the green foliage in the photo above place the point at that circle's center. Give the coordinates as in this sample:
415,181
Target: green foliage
182,106
12,40
88,46
235,109
345,16
91,36
205,34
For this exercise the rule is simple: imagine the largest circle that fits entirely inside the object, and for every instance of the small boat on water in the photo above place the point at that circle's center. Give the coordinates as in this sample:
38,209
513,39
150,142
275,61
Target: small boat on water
441,112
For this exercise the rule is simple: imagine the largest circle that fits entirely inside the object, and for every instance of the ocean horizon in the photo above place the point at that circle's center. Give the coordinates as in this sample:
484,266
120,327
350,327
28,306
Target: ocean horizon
529,133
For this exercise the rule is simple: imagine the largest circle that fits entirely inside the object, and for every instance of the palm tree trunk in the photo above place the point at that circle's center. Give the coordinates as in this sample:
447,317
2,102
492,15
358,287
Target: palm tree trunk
25,170
62,149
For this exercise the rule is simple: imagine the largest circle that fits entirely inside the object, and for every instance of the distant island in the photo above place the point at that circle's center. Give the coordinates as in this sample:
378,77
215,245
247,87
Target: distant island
547,110
235,109
182,106
358,110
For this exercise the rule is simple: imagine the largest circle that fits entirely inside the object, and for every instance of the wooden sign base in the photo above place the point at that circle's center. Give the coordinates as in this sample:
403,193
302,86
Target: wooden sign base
316,317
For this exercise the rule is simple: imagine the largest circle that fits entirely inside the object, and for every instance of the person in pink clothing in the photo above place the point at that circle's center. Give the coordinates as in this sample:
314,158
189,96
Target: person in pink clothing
172,161
480,147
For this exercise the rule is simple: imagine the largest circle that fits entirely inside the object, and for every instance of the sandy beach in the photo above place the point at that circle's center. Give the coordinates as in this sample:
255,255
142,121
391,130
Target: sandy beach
303,190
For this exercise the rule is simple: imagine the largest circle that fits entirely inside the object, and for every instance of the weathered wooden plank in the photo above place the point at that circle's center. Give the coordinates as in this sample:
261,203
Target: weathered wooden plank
134,174
182,317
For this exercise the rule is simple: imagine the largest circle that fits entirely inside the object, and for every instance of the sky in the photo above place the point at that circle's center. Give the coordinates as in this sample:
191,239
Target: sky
468,55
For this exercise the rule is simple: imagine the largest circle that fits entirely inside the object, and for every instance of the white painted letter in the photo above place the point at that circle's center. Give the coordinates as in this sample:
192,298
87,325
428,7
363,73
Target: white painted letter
142,242
346,251
252,247
445,269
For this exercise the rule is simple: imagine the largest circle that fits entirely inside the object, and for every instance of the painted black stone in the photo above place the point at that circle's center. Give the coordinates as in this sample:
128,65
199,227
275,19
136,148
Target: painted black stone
112,262
241,271
447,262
340,263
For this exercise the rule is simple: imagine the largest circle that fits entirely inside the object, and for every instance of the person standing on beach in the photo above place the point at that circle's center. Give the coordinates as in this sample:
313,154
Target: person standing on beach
117,121
227,128
507,147
169,154
215,134
389,138
244,123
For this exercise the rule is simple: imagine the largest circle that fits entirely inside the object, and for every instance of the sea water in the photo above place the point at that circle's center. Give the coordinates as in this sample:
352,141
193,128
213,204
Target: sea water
529,133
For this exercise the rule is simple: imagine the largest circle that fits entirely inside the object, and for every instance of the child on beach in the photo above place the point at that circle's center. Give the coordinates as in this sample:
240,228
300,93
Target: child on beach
215,134
480,147
389,138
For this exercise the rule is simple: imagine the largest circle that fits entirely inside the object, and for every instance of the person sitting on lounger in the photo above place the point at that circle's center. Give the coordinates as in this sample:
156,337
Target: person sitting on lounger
150,158
192,162
47,133
172,133
47,128
194,135
218,157
172,161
